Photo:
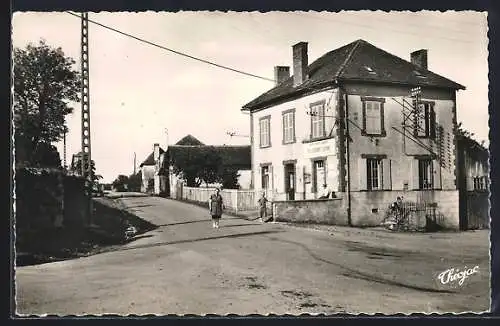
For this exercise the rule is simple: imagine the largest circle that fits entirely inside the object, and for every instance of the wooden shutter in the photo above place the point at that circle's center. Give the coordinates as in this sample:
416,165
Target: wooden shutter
436,174
414,174
362,174
386,174
271,178
432,121
470,183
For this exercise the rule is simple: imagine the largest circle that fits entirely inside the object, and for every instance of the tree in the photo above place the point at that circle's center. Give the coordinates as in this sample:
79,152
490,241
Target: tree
135,181
78,167
196,165
44,84
121,183
228,177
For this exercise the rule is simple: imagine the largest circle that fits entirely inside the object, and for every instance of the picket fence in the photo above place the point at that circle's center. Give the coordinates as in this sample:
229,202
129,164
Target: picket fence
236,200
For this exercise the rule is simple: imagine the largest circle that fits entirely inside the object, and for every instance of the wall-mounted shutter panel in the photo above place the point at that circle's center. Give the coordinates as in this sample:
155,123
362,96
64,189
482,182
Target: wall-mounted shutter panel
386,174
362,174
271,178
433,123
436,176
470,183
414,174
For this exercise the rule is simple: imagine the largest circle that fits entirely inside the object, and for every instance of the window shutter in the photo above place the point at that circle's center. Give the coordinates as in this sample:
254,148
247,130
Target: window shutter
362,175
436,175
432,120
386,174
470,183
414,175
271,178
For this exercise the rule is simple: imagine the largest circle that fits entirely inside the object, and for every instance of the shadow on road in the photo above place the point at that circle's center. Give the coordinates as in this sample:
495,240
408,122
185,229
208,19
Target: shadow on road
137,206
198,221
166,243
352,273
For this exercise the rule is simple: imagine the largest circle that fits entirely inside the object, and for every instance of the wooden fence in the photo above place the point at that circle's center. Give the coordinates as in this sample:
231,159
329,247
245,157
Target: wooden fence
236,200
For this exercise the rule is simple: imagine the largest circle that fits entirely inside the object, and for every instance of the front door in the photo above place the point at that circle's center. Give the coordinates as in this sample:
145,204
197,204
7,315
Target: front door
290,181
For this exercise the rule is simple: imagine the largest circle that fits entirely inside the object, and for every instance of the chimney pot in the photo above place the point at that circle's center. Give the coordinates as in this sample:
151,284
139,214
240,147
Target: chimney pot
300,73
419,58
281,73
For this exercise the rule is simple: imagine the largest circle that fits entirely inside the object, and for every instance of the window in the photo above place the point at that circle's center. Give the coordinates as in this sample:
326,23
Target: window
265,176
265,134
319,175
425,173
289,126
373,116
318,120
479,183
425,121
374,173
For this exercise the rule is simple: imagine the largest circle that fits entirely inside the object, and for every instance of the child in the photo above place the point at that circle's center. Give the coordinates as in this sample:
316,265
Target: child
263,207
215,206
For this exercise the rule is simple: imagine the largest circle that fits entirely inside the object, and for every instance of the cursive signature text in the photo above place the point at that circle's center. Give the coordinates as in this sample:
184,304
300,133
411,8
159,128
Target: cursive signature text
454,274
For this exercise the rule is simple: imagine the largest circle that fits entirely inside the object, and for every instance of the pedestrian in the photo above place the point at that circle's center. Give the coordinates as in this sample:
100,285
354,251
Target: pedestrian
326,192
263,207
215,206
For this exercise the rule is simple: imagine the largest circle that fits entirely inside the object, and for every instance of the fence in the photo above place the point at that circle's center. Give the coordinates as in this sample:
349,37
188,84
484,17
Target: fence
236,200
421,215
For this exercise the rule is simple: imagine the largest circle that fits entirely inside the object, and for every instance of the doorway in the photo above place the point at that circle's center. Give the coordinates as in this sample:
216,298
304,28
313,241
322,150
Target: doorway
290,181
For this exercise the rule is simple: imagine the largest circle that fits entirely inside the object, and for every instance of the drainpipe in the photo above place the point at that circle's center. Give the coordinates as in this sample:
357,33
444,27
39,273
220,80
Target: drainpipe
349,219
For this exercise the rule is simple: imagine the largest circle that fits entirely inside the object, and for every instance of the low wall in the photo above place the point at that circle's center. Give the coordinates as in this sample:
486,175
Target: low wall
47,198
368,208
321,211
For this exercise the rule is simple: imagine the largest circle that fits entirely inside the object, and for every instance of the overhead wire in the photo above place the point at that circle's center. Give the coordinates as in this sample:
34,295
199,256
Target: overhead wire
172,50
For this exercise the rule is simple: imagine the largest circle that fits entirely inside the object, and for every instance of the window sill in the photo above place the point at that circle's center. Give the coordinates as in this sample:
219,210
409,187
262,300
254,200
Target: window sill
267,146
383,134
289,142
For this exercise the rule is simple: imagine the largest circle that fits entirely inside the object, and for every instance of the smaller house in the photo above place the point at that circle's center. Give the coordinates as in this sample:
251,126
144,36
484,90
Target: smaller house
148,170
473,183
167,183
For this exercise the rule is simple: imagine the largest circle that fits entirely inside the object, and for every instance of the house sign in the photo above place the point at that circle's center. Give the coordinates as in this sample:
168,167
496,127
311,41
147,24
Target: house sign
320,148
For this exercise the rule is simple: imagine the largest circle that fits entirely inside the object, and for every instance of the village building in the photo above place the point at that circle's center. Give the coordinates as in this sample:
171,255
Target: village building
368,124
148,168
167,183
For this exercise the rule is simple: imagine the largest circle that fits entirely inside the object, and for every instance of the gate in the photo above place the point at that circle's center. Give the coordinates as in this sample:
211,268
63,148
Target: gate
420,215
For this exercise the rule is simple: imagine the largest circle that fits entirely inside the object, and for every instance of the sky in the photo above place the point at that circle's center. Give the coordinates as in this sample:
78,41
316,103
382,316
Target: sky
141,94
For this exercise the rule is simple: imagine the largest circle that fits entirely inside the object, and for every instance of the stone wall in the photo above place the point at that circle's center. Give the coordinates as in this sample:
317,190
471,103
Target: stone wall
368,208
321,211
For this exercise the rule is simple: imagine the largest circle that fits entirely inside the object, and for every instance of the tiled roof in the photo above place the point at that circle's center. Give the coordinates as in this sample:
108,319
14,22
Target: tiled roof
150,160
236,156
189,140
357,61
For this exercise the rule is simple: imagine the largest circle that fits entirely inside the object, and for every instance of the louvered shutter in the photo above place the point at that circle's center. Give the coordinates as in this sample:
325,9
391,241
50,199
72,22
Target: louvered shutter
386,174
414,185
436,174
362,174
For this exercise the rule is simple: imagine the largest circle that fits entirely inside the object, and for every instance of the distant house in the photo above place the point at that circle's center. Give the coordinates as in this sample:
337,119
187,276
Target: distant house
370,125
235,157
148,170
473,183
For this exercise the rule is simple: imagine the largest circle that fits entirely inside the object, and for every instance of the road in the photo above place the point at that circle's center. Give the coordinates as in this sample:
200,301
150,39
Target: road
186,267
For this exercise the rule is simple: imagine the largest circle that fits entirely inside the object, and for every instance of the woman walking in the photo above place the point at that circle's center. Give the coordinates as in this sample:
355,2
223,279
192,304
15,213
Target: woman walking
215,206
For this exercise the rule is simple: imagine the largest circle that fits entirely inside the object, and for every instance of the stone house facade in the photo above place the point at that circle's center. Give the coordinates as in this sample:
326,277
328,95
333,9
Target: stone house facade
350,120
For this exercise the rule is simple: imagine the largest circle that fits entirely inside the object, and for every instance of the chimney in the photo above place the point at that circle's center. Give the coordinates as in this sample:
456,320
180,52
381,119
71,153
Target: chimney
156,152
281,73
419,58
299,63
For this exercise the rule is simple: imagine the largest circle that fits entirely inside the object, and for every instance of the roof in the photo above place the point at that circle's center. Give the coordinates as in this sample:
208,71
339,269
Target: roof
358,61
150,160
189,140
236,156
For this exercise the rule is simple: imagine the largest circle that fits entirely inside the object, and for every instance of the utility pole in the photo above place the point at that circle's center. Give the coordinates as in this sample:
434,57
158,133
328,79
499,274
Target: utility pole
135,164
86,158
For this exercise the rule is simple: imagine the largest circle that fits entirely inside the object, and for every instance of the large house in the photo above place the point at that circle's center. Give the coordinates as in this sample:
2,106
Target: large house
369,124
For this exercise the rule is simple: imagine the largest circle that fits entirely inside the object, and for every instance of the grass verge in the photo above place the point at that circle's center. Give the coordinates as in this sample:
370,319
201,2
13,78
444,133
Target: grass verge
44,246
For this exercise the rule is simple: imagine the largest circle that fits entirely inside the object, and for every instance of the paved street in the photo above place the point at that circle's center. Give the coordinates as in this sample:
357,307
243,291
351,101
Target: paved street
184,266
